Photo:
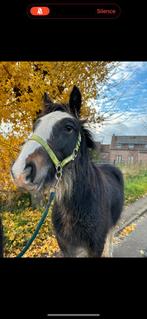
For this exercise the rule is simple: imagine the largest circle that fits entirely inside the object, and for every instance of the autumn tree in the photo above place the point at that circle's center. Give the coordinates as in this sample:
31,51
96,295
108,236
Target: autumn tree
22,87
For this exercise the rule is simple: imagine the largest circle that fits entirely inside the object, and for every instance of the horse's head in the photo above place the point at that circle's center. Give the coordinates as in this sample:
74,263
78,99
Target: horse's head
59,126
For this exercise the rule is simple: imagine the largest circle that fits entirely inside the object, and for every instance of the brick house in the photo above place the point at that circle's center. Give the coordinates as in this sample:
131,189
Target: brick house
104,152
125,149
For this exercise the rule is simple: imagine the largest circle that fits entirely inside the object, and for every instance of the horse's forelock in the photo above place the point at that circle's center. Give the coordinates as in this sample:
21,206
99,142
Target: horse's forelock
50,109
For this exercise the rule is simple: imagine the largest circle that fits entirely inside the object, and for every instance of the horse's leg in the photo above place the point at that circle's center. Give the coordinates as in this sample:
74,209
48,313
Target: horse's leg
81,252
63,247
108,247
69,250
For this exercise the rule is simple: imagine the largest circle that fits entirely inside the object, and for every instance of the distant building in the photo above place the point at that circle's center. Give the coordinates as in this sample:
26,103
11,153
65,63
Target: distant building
124,149
104,152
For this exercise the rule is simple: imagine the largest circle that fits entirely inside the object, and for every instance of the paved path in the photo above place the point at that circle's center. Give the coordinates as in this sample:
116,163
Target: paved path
132,212
135,244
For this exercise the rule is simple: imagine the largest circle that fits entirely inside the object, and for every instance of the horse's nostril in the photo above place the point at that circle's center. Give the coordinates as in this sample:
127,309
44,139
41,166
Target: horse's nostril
30,171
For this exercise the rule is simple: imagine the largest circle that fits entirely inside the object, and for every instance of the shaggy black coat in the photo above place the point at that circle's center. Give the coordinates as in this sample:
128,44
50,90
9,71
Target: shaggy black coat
90,197
83,218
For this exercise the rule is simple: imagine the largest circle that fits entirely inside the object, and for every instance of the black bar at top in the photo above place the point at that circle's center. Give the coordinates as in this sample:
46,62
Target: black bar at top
78,11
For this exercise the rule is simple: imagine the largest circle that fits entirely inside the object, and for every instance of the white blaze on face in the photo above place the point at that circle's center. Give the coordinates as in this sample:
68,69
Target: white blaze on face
44,130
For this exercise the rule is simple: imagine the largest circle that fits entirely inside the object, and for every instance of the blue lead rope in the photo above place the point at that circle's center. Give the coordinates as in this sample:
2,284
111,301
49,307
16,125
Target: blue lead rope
49,205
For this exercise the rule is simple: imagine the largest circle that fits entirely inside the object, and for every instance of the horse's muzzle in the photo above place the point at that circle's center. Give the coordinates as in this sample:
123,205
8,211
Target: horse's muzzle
26,178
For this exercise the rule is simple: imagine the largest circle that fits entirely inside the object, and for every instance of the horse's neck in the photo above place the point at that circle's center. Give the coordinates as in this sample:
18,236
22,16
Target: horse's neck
76,185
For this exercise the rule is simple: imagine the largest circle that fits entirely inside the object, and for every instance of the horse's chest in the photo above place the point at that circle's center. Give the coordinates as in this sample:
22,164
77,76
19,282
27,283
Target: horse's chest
67,223
69,234
63,222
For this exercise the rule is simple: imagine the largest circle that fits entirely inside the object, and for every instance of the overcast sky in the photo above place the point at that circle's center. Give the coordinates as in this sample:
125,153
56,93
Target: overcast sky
123,102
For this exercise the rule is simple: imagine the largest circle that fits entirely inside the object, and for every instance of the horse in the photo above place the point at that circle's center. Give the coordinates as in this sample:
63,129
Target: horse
89,196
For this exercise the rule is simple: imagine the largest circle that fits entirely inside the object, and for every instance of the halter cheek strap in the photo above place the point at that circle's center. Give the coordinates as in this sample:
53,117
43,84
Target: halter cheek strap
58,164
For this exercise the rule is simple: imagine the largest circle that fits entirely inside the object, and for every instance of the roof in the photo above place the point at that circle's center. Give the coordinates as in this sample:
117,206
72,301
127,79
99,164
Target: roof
130,139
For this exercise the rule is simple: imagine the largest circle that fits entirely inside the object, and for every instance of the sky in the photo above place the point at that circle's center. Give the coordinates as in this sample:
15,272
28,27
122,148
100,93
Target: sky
122,100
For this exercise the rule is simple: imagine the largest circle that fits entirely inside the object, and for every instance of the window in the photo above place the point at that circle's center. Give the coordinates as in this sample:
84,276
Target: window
118,145
130,159
119,158
145,146
131,146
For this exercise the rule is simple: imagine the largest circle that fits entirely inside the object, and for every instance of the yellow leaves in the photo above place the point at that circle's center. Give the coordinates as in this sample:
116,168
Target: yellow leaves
9,148
12,236
127,230
32,79
19,227
46,249
22,87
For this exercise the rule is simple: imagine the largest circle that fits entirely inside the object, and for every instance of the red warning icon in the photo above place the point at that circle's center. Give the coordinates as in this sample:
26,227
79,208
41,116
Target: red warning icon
40,11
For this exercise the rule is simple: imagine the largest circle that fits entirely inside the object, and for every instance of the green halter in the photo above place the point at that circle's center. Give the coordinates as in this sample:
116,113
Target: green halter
58,164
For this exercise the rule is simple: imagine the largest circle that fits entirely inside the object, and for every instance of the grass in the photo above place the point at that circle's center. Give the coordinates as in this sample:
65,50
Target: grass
135,183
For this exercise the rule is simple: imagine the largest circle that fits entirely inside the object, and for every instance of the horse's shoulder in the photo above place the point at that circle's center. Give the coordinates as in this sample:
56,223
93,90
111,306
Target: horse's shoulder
112,170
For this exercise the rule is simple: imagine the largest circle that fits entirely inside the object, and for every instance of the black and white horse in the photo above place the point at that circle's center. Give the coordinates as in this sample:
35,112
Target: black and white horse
89,197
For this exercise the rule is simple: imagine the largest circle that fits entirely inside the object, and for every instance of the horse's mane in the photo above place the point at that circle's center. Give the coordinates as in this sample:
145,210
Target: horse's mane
88,135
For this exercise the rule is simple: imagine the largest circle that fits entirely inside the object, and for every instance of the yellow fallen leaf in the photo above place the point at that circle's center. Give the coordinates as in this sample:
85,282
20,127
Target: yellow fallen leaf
127,230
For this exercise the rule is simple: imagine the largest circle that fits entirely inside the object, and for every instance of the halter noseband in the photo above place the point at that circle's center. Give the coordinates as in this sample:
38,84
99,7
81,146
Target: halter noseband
58,164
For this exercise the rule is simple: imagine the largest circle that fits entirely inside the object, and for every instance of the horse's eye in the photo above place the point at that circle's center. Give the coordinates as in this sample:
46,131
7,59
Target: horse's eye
68,128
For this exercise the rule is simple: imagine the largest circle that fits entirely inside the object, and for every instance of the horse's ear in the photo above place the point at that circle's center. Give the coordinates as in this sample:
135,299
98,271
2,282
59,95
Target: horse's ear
75,101
46,100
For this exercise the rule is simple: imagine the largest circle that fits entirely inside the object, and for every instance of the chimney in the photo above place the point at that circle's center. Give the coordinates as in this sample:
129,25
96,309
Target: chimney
113,141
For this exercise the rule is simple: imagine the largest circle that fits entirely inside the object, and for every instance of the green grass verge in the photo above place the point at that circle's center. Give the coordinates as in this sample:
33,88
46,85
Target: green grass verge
135,186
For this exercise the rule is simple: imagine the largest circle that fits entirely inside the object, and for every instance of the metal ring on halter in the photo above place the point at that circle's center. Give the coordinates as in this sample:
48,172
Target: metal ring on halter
58,172
75,153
